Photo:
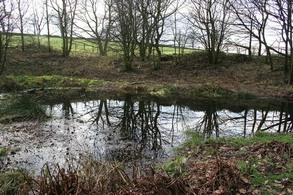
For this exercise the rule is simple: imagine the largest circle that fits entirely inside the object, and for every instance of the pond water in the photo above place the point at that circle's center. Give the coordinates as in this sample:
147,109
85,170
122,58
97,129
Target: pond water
132,131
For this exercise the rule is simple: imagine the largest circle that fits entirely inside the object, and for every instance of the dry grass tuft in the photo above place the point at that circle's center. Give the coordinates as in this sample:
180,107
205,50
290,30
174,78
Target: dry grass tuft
93,177
89,177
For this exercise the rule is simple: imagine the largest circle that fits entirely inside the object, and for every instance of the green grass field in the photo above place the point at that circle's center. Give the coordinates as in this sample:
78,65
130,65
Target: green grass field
81,45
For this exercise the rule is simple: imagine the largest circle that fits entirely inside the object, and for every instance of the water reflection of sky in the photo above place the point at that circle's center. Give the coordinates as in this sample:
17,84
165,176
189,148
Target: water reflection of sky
129,131
172,122
100,138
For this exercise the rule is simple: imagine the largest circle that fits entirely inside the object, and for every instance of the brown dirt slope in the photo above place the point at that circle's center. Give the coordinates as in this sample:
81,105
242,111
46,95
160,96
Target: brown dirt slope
254,77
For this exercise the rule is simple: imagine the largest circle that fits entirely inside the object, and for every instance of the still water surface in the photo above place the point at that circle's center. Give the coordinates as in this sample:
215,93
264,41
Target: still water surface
139,132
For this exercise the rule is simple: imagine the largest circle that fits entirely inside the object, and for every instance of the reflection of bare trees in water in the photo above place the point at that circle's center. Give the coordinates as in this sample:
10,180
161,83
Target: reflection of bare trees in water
209,123
139,123
284,120
99,115
67,109
139,120
278,119
134,127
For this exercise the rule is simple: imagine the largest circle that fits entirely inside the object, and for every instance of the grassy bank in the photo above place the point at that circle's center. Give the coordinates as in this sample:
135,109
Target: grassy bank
23,83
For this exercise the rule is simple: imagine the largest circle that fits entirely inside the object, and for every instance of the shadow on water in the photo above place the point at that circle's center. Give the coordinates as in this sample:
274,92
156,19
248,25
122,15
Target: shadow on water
145,131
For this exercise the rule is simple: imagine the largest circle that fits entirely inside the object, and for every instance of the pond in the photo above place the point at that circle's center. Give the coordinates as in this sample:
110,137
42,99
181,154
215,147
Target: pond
134,131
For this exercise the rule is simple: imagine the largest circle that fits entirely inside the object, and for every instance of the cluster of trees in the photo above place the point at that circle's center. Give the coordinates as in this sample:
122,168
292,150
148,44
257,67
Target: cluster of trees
142,25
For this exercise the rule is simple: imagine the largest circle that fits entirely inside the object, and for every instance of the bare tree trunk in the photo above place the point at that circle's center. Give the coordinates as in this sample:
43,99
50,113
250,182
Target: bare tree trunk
259,44
250,41
290,28
4,42
291,68
22,8
5,32
48,25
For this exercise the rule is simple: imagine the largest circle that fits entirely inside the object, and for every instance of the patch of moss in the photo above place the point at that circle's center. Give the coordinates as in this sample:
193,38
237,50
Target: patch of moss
13,83
195,139
211,92
159,93
165,91
93,83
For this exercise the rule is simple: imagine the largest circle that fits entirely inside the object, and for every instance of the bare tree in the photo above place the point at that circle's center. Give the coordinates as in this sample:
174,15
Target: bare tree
145,28
6,27
22,7
66,12
142,23
126,25
262,12
262,7
211,22
281,10
48,24
162,10
96,25
253,18
38,21
244,25
180,37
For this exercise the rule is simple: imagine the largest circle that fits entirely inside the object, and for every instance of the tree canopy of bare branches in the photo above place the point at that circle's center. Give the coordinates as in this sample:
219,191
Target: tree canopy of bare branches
95,20
65,15
255,16
211,21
